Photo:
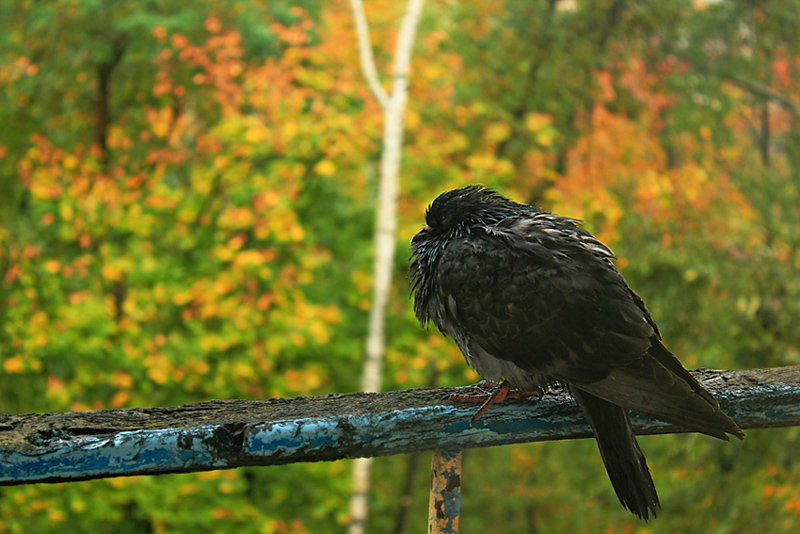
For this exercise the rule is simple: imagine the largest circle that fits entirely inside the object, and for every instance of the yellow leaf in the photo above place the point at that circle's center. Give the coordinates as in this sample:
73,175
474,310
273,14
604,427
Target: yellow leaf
289,129
237,242
209,310
186,215
497,131
412,120
296,233
222,285
182,298
161,123
13,364
220,162
121,380
536,122
70,162
265,273
256,134
419,362
159,293
55,516
545,137
52,266
158,368
38,319
223,253
243,370
78,505
208,342
319,332
234,217
482,161
111,272
247,258
66,211
325,168
120,399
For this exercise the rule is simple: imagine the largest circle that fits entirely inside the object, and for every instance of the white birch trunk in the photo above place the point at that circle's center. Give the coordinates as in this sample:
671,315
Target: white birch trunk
393,106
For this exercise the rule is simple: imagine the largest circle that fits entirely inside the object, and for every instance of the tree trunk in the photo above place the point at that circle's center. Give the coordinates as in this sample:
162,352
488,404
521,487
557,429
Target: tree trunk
393,106
102,104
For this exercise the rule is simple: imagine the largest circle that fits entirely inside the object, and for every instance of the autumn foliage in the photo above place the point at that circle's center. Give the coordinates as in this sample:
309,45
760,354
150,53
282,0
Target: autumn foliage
186,214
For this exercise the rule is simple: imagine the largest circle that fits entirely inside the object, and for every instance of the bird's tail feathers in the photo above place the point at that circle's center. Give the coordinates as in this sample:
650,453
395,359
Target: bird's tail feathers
621,454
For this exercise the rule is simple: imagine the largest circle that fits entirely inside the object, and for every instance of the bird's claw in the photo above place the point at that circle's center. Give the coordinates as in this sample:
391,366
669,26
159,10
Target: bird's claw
489,397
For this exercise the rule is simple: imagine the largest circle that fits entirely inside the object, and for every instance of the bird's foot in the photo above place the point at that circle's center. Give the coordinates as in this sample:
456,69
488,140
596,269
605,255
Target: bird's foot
480,392
495,394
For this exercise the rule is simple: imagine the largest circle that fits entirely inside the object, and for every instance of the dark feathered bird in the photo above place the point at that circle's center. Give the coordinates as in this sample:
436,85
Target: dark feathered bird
531,298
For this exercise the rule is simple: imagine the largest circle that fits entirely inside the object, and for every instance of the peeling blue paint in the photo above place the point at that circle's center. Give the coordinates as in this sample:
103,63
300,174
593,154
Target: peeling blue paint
439,427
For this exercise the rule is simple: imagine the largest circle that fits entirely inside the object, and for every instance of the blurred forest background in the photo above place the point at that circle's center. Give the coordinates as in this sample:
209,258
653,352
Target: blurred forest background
186,213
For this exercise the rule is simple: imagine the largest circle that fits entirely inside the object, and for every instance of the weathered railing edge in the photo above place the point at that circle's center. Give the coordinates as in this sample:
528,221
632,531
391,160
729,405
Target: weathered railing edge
358,425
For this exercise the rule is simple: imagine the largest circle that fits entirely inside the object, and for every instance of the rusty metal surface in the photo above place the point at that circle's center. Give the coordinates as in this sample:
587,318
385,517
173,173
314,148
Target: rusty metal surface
228,434
444,506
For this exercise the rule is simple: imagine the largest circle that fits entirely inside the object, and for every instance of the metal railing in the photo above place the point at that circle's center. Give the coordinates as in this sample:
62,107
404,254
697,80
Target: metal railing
65,447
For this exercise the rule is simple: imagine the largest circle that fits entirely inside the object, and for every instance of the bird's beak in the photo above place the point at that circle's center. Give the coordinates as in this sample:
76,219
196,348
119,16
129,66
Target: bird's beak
425,228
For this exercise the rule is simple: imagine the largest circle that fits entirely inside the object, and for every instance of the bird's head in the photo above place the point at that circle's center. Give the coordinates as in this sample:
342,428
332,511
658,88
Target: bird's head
454,214
458,212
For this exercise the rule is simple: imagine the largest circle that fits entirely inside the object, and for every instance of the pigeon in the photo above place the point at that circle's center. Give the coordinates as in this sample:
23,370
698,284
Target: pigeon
533,299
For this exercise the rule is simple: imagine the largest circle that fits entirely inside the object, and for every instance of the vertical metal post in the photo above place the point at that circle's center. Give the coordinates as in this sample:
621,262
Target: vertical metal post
444,506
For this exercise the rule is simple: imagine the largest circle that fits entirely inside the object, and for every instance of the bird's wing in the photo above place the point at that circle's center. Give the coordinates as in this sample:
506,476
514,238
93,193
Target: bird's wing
542,293
656,386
